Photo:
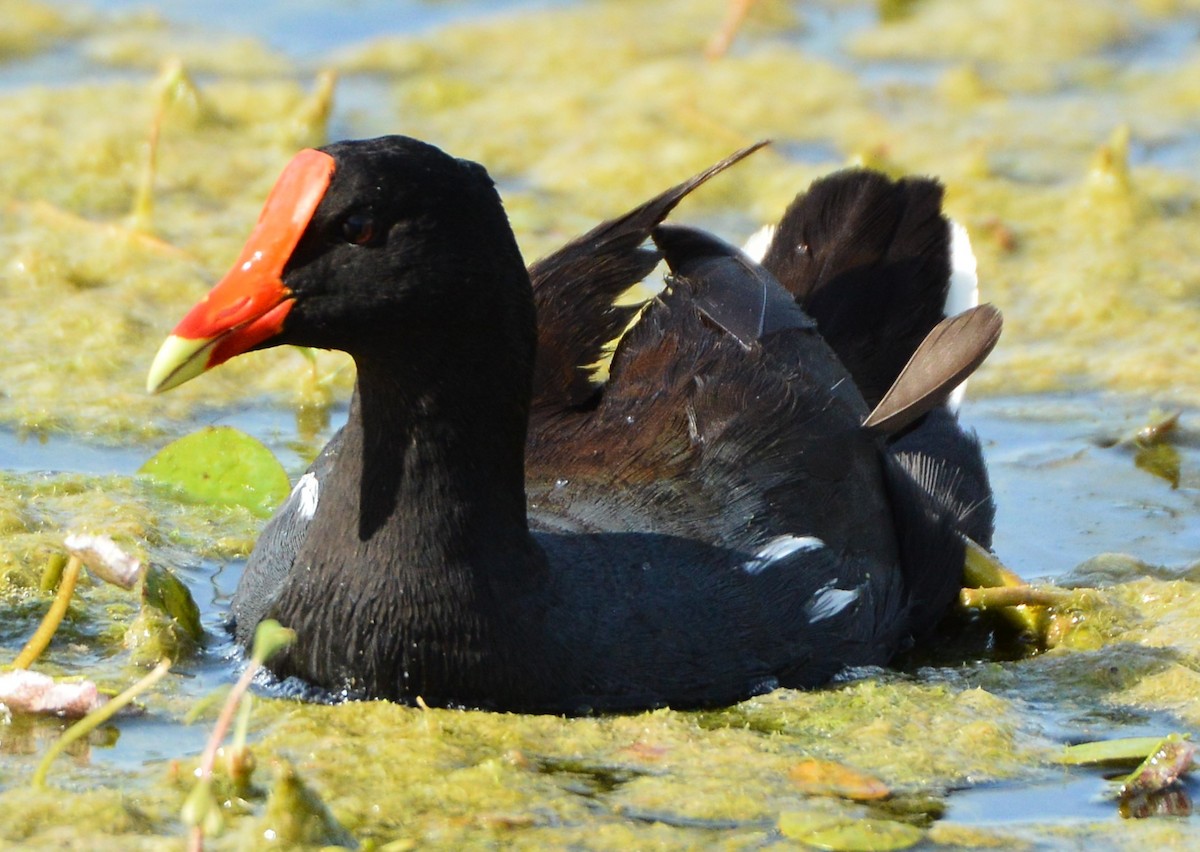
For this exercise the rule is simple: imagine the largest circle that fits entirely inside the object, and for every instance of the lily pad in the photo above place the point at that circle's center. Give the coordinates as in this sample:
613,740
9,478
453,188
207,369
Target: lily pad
221,466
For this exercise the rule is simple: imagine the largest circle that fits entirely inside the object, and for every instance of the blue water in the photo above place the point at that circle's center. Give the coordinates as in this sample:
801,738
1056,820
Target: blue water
1056,482
1053,476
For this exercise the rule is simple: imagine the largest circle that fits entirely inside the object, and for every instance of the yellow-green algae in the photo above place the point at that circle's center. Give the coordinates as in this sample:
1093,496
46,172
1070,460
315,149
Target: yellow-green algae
462,776
599,106
101,291
31,26
581,113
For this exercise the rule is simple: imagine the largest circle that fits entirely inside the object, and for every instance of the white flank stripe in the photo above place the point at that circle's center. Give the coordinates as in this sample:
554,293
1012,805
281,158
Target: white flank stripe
778,548
828,601
306,493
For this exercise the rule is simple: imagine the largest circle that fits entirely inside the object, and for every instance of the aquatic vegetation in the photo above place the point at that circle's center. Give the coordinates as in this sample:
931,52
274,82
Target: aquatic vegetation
201,810
95,719
1072,165
221,466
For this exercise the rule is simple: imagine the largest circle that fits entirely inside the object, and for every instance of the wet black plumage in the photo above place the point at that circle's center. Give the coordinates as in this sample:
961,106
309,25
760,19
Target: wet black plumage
493,529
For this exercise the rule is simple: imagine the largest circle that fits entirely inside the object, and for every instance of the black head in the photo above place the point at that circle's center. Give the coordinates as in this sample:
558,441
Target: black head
384,245
407,241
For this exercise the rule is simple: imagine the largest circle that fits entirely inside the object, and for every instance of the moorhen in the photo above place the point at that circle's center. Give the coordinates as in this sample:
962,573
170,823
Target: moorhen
497,526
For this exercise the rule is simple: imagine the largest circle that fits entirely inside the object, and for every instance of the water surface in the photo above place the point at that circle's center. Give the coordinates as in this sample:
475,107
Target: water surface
1069,160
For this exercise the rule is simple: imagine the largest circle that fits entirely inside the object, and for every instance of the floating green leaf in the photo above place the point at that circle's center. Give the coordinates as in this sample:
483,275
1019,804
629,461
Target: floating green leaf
222,466
1127,750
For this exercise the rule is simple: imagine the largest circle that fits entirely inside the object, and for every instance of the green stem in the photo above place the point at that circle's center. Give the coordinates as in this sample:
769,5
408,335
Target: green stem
54,616
1008,596
208,758
97,718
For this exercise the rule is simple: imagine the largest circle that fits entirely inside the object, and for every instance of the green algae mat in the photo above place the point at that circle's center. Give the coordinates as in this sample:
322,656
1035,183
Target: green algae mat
136,151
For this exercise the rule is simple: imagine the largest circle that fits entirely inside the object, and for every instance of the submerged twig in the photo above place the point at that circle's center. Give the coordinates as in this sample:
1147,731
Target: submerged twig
990,584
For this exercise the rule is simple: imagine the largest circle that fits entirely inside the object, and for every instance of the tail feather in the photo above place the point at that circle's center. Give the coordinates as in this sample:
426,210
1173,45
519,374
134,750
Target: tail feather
869,259
948,354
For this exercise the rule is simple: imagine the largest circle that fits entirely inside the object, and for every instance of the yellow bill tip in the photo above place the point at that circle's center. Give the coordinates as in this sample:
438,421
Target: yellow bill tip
179,359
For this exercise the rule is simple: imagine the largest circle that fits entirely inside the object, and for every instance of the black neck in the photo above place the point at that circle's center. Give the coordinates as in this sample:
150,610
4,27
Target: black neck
419,552
438,461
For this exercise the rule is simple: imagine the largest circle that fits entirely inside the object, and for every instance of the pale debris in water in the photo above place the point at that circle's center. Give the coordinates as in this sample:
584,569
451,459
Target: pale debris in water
23,691
105,559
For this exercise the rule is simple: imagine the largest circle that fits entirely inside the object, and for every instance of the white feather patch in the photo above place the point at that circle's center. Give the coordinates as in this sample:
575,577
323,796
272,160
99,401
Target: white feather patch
756,247
828,601
778,548
964,274
306,493
964,289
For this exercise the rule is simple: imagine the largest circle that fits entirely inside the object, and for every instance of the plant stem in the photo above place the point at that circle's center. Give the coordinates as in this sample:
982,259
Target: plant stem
54,616
1006,596
97,718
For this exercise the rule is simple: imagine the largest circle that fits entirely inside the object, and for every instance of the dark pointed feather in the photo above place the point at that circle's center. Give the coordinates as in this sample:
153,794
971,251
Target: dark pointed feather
868,258
574,289
950,353
734,292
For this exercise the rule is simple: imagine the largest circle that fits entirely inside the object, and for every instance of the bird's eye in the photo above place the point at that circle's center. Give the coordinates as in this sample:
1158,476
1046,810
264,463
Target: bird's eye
358,228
